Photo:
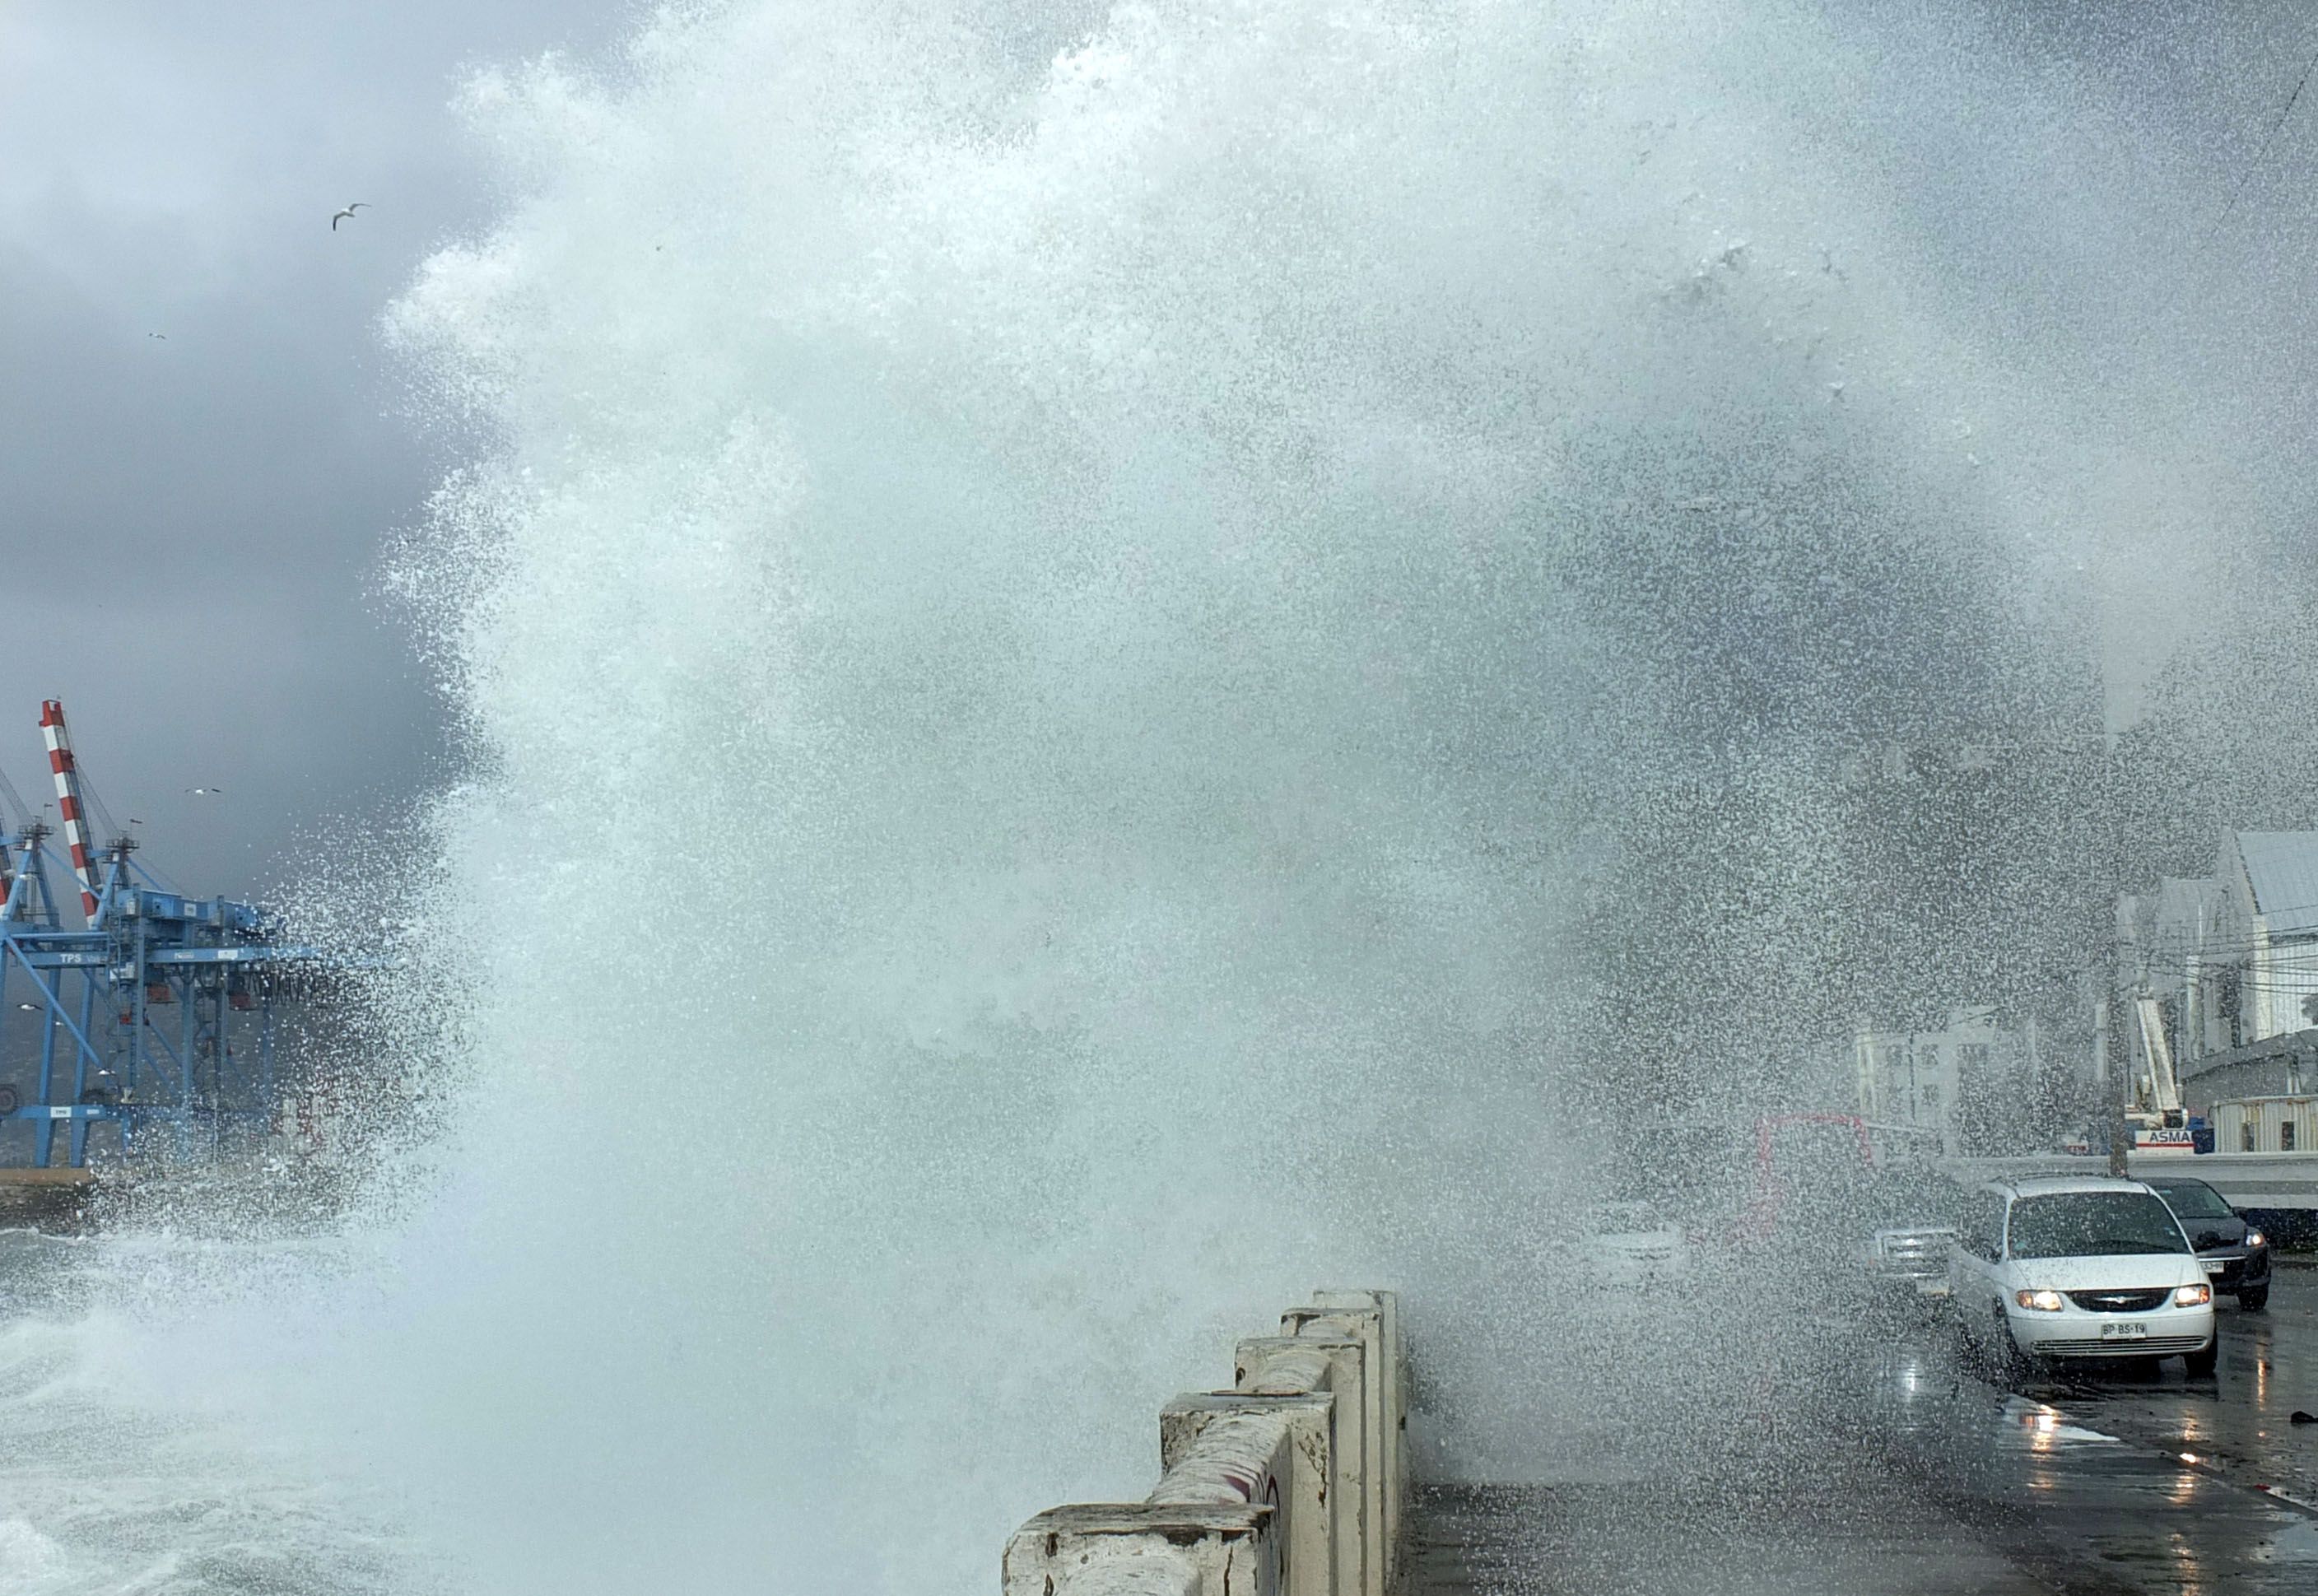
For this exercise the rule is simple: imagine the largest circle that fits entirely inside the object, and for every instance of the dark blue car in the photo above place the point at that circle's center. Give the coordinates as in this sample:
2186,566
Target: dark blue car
2236,1256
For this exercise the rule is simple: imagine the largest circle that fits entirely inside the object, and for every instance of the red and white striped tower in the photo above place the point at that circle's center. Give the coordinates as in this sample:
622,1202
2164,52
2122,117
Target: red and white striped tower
60,763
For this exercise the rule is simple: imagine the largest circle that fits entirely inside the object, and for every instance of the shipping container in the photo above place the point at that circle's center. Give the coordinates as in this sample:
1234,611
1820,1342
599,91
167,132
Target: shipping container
2266,1124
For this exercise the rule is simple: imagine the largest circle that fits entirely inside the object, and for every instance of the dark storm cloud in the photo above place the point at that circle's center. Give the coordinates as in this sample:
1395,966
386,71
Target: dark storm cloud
193,519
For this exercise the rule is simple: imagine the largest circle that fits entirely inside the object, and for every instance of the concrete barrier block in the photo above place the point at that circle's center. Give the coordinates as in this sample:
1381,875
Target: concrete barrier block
1291,1484
1392,1365
1235,1457
1365,1325
1280,1366
1266,1362
1306,1528
1145,1549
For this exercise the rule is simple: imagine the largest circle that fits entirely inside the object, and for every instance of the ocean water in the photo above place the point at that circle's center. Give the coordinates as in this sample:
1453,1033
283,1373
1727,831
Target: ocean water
1069,626
129,1465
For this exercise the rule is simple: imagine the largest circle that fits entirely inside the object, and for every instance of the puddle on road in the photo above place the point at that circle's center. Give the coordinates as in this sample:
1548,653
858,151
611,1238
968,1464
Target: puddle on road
2035,1427
2296,1543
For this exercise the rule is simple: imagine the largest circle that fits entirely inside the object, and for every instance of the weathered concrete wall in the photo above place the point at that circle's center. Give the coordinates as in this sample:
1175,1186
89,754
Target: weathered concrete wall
2247,1180
1293,1483
51,1199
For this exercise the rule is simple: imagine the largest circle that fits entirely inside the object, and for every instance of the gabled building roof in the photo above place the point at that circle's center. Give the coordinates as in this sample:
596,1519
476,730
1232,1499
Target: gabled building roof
2183,898
2282,869
2174,920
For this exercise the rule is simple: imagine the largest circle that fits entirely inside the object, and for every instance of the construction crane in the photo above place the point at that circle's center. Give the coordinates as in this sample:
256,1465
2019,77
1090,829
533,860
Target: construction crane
156,1013
68,803
2158,1121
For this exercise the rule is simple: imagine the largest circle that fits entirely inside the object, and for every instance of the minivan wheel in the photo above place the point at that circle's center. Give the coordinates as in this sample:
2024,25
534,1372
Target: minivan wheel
2253,1299
2011,1363
2201,1362
1963,1348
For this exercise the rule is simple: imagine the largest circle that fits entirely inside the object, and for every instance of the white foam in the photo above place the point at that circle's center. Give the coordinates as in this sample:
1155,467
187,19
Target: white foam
30,1562
1029,602
1026,618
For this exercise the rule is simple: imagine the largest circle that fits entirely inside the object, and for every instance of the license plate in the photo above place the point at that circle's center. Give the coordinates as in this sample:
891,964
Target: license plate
2125,1330
1931,1288
2217,1266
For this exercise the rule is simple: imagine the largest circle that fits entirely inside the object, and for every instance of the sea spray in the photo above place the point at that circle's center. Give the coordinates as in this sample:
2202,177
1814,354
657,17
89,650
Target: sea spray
1043,721
1110,664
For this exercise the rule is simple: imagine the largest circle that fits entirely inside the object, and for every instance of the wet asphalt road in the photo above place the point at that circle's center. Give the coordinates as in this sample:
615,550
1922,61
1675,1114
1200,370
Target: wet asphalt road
1889,1465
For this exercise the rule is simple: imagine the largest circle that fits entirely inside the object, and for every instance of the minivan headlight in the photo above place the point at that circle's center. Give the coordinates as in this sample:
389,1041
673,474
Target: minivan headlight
2192,1297
2046,1301
2254,1238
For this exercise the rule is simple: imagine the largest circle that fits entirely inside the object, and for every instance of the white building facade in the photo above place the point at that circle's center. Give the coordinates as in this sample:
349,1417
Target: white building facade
1917,1082
2232,957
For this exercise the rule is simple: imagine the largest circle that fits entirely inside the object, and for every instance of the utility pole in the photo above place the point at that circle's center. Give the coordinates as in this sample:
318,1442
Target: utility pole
2112,1093
2112,1123
2120,1128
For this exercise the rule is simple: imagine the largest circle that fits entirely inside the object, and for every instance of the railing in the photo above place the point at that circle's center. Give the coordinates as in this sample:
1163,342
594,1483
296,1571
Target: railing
1293,1483
2248,1179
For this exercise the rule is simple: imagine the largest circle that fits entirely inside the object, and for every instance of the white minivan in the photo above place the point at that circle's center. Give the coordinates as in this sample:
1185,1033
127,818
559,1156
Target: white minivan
2079,1268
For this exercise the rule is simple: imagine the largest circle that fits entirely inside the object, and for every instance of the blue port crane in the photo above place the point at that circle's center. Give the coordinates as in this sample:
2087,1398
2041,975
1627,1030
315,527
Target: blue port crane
157,1012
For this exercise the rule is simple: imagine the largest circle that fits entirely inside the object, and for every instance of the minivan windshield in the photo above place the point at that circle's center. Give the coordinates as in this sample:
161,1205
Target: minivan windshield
2192,1199
2093,1224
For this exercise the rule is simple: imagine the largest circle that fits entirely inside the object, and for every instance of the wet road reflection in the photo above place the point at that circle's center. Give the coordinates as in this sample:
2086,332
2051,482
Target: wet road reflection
1861,1459
2239,1423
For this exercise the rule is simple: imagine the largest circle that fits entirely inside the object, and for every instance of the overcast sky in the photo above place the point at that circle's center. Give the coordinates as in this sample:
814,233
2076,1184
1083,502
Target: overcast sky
192,521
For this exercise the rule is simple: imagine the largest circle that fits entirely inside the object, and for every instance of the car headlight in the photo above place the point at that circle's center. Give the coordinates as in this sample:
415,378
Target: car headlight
2045,1302
2254,1238
2192,1297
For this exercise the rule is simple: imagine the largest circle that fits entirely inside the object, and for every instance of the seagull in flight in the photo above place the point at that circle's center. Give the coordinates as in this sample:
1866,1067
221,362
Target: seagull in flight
337,217
206,791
